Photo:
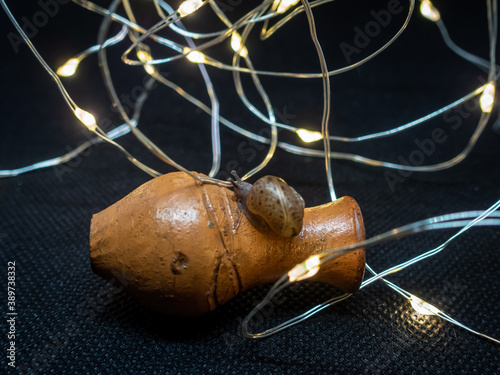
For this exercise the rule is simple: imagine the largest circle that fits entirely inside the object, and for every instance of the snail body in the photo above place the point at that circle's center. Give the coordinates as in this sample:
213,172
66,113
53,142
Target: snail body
270,204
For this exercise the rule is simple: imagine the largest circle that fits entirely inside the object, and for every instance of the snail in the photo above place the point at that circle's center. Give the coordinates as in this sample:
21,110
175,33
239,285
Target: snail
270,204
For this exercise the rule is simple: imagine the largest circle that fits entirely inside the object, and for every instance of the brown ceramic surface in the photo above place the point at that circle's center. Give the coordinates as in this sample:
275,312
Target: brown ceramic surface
183,248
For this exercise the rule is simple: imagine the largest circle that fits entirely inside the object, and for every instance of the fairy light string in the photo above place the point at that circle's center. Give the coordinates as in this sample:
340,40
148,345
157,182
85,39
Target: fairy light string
312,265
326,98
287,147
235,34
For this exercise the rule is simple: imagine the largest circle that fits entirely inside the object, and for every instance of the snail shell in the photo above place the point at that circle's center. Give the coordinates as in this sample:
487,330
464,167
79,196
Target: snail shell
271,204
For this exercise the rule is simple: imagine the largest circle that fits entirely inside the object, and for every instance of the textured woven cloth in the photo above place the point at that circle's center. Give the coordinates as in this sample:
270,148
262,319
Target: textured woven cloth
72,322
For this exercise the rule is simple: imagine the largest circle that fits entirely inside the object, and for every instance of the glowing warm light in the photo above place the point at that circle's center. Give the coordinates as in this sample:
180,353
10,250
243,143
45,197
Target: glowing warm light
312,262
236,45
195,56
144,56
280,6
305,270
149,69
86,118
69,68
309,136
189,6
423,307
429,11
488,98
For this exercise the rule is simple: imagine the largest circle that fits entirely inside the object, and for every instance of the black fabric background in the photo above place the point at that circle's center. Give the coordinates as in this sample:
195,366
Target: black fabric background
72,322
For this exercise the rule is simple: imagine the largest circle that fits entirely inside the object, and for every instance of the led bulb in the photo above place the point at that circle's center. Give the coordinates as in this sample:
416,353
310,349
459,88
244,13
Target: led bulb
305,270
429,11
236,45
144,56
280,6
86,118
69,68
488,98
149,69
194,56
312,262
423,307
189,6
309,136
